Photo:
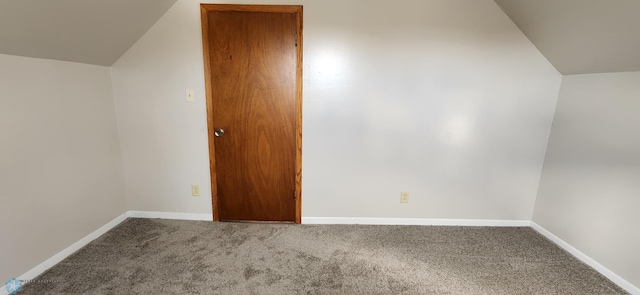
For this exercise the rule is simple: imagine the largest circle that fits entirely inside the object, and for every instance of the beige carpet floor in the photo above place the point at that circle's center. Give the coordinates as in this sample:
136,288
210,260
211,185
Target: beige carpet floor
152,256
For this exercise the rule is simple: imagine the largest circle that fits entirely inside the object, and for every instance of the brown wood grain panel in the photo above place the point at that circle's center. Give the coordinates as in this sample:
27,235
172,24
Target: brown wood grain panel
253,72
253,8
209,102
299,14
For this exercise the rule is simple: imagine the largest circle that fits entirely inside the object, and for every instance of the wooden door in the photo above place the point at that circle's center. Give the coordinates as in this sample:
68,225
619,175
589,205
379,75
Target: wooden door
253,66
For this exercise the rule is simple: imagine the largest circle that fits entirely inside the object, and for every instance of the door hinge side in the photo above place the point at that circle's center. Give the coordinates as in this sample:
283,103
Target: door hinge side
295,196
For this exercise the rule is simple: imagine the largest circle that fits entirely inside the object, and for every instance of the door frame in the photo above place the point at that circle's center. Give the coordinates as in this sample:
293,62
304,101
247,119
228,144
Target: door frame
294,9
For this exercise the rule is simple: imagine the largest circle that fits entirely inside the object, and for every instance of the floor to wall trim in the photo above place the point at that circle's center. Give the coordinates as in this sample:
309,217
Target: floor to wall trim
588,260
55,259
170,215
414,221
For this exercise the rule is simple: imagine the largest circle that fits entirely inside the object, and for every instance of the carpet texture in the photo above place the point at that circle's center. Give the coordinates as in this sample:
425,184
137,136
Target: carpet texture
153,256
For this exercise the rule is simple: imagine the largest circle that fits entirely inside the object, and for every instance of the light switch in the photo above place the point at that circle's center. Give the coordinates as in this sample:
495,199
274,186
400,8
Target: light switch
190,96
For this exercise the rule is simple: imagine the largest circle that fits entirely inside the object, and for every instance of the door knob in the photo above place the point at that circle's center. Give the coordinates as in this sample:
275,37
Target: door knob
218,132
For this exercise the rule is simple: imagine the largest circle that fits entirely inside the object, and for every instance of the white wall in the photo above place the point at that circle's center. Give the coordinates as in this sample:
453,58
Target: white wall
60,167
590,188
444,98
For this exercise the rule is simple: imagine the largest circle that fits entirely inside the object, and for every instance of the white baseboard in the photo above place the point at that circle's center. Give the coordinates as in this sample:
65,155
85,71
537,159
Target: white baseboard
414,221
55,259
170,215
42,267
588,260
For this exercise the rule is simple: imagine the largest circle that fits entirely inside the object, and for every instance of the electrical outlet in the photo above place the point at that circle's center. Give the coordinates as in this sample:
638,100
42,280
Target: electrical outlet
404,197
195,190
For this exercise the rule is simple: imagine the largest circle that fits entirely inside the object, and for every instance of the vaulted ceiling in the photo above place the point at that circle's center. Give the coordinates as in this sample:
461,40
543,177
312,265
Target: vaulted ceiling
576,36
87,31
581,36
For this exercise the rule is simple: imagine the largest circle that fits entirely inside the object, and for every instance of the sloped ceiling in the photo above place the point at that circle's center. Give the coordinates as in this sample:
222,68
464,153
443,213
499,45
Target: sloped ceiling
576,36
581,36
86,31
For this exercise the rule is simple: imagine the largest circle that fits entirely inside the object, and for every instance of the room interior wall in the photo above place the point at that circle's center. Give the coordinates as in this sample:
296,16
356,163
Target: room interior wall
60,165
591,178
445,99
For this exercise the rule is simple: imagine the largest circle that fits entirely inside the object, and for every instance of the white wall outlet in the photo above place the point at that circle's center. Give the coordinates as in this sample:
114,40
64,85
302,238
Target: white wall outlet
404,197
190,97
195,190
